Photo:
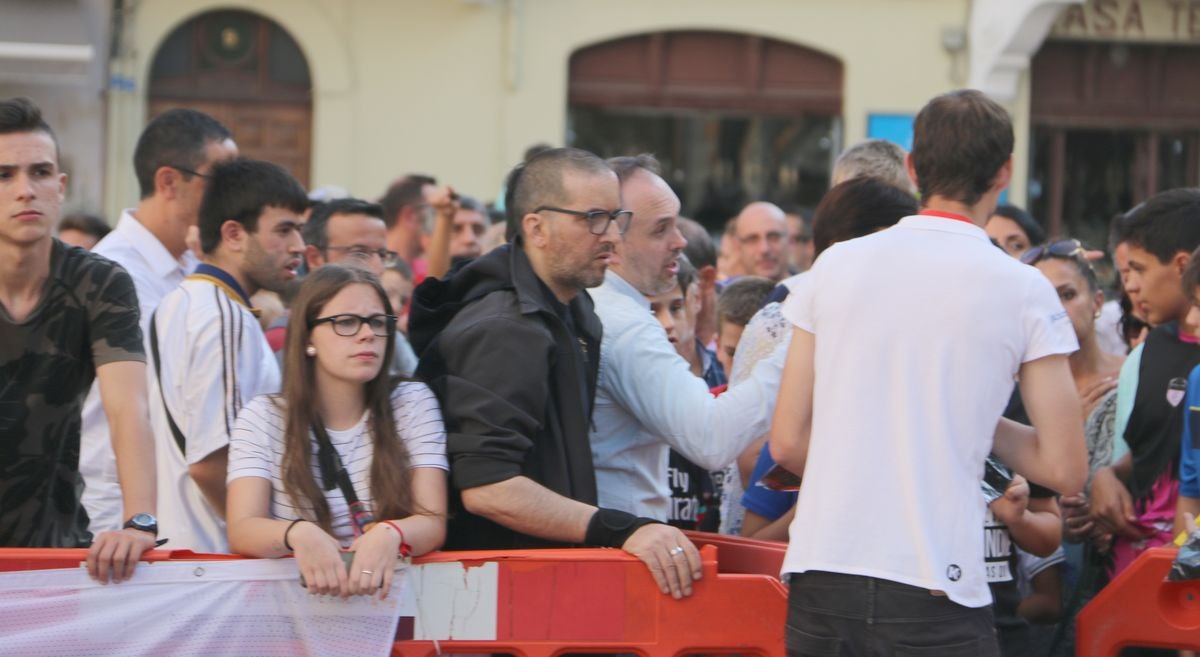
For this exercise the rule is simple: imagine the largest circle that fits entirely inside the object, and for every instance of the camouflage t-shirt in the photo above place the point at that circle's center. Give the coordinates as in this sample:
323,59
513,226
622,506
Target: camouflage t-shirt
87,317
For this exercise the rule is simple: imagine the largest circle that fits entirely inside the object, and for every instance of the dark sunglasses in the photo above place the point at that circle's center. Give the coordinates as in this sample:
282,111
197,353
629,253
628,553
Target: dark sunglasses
1060,249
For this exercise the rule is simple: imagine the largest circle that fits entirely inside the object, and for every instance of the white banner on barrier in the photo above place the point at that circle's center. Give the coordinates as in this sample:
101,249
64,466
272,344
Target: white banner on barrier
192,609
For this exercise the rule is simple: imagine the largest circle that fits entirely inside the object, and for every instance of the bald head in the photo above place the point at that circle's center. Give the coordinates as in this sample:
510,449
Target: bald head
762,236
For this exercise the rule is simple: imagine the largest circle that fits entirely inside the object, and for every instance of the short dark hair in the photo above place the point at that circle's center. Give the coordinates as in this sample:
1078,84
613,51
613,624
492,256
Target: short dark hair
961,140
22,115
316,229
627,165
239,190
1191,277
1166,224
686,274
700,249
175,138
742,298
1030,226
89,224
858,207
539,181
406,191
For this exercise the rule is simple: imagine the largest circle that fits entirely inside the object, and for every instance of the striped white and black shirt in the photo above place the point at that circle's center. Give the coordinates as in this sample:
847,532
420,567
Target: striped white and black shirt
257,447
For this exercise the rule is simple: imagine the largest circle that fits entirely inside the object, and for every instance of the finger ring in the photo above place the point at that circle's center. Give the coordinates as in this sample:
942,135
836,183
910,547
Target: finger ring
675,551
368,572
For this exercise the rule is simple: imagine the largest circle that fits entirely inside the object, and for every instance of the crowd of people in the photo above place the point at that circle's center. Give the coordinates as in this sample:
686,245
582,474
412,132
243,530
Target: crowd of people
982,438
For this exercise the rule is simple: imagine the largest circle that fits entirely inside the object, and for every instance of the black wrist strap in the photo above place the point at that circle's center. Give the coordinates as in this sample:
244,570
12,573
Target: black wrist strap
611,528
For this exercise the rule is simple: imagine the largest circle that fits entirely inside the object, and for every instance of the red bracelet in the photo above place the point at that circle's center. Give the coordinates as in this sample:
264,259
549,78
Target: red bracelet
405,548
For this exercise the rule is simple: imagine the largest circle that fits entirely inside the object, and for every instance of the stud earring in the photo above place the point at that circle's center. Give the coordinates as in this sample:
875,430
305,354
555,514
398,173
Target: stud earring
311,350
1098,313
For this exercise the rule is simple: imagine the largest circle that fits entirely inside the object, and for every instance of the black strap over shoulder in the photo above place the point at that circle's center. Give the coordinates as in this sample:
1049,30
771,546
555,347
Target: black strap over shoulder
333,473
175,432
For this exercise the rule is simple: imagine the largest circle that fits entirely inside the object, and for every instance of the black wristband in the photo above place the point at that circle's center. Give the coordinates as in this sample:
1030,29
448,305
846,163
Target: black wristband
287,531
611,528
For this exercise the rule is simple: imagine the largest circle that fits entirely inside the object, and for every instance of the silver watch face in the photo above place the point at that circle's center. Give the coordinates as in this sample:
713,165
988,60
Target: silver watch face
143,520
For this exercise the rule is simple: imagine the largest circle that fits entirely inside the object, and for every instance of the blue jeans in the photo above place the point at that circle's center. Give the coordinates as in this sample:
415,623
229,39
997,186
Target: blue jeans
837,615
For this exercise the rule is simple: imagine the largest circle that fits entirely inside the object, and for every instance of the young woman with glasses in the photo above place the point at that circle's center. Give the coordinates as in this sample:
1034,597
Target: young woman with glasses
344,458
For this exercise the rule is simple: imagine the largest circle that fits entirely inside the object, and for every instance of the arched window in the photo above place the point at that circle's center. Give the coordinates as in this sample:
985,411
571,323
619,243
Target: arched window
732,117
248,73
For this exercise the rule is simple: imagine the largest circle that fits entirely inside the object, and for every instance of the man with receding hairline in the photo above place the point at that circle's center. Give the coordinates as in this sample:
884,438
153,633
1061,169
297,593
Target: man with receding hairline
762,240
511,346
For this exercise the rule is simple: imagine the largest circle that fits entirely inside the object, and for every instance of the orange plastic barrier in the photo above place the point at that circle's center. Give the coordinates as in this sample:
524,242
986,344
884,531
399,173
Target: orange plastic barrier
551,602
1140,608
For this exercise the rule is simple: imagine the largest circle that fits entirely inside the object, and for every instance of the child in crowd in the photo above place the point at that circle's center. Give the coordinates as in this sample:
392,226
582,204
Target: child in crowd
1135,498
695,496
397,280
343,458
1189,460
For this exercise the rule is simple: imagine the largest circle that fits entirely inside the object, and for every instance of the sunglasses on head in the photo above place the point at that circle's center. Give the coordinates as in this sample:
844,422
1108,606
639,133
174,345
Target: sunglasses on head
1061,249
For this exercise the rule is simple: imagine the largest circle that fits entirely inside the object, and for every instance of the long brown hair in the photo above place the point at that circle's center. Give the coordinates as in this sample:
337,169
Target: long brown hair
391,493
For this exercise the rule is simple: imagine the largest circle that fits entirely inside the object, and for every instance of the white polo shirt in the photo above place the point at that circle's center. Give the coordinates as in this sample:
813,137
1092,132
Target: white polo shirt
920,331
155,273
214,359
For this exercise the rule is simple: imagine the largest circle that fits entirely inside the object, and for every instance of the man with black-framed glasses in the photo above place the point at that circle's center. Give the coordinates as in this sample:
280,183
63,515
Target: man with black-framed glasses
351,231
172,161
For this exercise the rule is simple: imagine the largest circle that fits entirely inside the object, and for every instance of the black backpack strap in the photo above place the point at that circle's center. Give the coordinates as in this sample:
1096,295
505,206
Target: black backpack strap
175,432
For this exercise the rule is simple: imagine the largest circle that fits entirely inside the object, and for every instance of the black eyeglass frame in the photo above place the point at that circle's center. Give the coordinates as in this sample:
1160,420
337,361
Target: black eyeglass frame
386,256
622,218
190,172
389,324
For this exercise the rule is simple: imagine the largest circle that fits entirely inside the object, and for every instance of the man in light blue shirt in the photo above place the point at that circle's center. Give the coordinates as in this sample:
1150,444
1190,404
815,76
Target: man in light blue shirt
647,400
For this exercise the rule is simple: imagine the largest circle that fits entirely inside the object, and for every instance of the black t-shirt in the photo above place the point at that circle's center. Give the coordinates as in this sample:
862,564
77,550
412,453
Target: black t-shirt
87,316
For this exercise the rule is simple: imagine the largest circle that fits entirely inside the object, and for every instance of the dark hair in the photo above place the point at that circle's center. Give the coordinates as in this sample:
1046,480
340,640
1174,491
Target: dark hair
406,191
316,229
1130,326
390,476
239,190
21,115
1043,252
858,207
175,138
539,181
627,165
1034,232
700,249
1191,276
88,224
1165,225
742,298
686,274
961,140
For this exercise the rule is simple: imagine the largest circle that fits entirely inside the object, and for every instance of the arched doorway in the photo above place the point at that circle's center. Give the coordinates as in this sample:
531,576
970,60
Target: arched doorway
732,117
247,72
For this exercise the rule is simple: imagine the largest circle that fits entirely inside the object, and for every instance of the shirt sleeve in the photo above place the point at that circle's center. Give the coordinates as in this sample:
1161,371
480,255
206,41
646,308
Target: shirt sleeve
799,306
1048,329
494,396
770,504
1189,460
113,319
258,428
1127,385
419,425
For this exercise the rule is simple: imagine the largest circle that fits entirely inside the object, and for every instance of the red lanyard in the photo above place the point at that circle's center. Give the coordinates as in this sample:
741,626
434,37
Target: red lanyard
947,215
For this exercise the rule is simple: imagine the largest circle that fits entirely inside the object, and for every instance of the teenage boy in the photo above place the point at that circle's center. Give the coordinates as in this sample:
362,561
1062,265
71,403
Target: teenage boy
67,316
1135,498
905,416
209,352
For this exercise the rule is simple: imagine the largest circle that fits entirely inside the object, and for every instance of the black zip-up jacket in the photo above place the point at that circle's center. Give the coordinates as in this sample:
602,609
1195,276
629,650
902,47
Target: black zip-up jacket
515,382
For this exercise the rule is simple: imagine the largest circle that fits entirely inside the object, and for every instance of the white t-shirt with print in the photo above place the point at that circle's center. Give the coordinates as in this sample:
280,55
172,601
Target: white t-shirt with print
256,450
920,331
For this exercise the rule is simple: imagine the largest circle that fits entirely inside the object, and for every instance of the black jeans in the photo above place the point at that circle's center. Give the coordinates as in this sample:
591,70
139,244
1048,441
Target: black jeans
836,615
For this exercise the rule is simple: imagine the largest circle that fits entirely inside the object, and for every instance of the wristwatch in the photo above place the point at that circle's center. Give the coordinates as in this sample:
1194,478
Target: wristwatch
143,522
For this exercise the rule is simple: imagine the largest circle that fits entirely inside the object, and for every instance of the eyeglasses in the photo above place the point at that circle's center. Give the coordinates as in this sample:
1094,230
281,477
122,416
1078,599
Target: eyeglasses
1060,249
190,172
755,239
598,220
359,252
348,325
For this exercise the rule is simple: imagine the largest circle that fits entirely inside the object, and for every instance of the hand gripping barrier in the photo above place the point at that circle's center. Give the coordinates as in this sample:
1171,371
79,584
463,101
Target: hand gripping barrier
543,603
1140,608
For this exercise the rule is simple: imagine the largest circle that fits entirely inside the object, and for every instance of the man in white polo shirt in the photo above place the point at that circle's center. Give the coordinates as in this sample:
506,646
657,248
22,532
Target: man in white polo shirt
889,420
172,159
207,348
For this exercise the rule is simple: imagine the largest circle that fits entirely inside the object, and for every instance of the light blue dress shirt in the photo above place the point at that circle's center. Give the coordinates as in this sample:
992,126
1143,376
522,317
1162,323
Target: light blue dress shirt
648,401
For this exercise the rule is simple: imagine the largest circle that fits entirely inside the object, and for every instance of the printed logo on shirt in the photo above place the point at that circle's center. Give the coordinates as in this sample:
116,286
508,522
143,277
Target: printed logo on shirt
953,572
1176,390
1059,316
997,550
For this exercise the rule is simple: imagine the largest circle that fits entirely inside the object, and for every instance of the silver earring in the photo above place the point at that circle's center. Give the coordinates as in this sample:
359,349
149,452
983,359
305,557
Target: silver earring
311,350
1098,313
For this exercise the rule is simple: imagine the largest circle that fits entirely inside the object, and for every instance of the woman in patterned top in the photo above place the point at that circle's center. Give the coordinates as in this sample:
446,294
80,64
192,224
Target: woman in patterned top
344,457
